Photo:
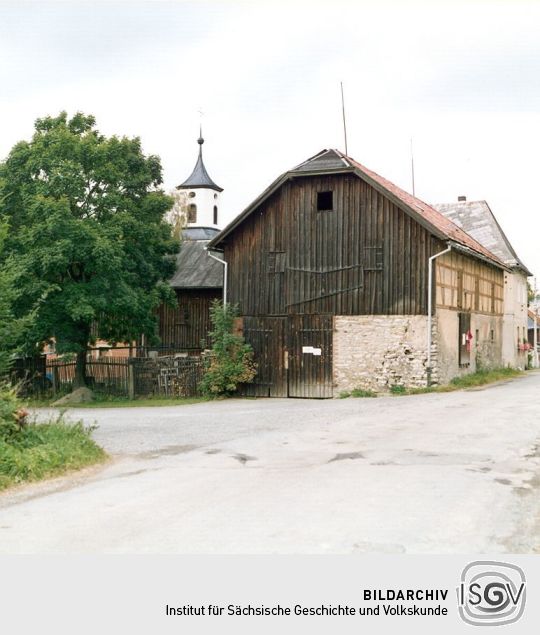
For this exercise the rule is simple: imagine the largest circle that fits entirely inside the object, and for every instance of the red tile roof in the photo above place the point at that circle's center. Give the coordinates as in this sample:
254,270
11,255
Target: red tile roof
333,161
428,213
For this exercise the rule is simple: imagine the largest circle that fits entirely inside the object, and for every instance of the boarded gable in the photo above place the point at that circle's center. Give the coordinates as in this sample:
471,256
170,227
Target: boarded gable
364,256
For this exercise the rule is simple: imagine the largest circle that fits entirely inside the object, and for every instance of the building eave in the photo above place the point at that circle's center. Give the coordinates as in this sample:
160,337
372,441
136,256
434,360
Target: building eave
471,252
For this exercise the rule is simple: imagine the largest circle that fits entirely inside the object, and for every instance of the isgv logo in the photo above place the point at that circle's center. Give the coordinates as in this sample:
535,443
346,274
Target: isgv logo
491,593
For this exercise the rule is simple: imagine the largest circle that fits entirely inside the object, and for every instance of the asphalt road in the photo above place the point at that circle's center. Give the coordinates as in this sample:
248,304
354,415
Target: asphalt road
435,473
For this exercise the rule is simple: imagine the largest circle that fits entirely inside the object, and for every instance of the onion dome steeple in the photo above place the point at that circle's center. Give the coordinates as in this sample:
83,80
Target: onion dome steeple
199,177
199,196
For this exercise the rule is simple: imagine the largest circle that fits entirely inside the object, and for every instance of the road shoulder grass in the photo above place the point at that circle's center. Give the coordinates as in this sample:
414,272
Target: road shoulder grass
463,382
31,451
47,449
102,401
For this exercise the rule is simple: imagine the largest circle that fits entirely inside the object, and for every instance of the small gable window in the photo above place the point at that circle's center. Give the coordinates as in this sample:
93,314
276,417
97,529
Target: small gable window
215,215
325,201
192,213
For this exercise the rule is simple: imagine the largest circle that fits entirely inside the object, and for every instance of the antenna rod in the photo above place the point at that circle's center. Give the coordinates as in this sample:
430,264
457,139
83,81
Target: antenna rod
344,122
412,168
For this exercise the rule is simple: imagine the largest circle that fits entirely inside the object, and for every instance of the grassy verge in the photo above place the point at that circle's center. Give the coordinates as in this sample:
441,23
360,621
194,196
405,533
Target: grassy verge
104,401
482,377
473,380
357,392
39,451
31,451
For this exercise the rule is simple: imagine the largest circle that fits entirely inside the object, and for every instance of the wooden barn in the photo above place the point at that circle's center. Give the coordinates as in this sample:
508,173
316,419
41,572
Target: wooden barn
197,282
330,269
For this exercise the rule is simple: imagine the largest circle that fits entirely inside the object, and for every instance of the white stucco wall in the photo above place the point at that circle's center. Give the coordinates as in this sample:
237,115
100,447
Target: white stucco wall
515,319
204,199
486,345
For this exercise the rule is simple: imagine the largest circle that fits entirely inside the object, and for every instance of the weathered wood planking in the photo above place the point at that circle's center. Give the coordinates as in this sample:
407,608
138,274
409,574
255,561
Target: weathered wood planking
310,372
187,326
293,355
366,256
267,336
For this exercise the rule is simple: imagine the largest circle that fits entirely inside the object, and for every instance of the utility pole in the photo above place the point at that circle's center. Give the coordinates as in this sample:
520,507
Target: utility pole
412,168
344,122
535,324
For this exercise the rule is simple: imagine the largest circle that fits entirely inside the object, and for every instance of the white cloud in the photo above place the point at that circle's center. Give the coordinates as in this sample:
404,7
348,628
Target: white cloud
459,78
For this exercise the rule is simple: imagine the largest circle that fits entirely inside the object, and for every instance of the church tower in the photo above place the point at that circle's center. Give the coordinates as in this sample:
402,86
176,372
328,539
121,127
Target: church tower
201,196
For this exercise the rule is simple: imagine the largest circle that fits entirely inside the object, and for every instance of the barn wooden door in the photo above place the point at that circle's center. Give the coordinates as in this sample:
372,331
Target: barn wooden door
267,336
310,356
293,356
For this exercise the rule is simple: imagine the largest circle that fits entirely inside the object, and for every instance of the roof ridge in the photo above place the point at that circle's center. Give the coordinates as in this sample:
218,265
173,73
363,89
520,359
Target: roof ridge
429,213
434,221
315,156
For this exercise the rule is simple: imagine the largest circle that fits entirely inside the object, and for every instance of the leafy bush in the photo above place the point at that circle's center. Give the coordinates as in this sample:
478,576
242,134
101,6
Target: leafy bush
230,362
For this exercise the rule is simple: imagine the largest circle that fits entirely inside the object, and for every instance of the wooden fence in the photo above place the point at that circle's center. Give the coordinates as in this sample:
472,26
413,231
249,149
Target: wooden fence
107,375
174,376
171,376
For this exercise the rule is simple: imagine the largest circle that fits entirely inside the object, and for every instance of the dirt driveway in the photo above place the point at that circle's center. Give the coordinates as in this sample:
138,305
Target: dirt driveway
436,473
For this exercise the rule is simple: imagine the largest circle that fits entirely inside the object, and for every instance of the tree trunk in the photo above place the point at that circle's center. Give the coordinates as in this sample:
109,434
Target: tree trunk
80,381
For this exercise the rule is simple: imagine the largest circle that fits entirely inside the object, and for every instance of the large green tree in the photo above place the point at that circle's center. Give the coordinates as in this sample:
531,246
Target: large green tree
10,329
87,230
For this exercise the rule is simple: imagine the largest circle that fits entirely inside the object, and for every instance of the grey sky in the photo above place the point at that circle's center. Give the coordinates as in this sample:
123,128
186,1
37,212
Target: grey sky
462,79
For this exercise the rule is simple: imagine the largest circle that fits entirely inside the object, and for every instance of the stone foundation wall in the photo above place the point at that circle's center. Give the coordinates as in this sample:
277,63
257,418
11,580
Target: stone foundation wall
376,352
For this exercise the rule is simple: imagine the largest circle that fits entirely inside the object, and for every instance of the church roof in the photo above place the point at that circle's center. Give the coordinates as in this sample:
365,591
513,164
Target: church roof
194,267
199,177
199,233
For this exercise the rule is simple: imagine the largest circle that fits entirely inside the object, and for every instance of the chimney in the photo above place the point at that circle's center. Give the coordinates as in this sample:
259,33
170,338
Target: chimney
461,199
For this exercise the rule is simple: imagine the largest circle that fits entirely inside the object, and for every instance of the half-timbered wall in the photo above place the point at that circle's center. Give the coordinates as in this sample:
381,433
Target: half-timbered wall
467,284
365,256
